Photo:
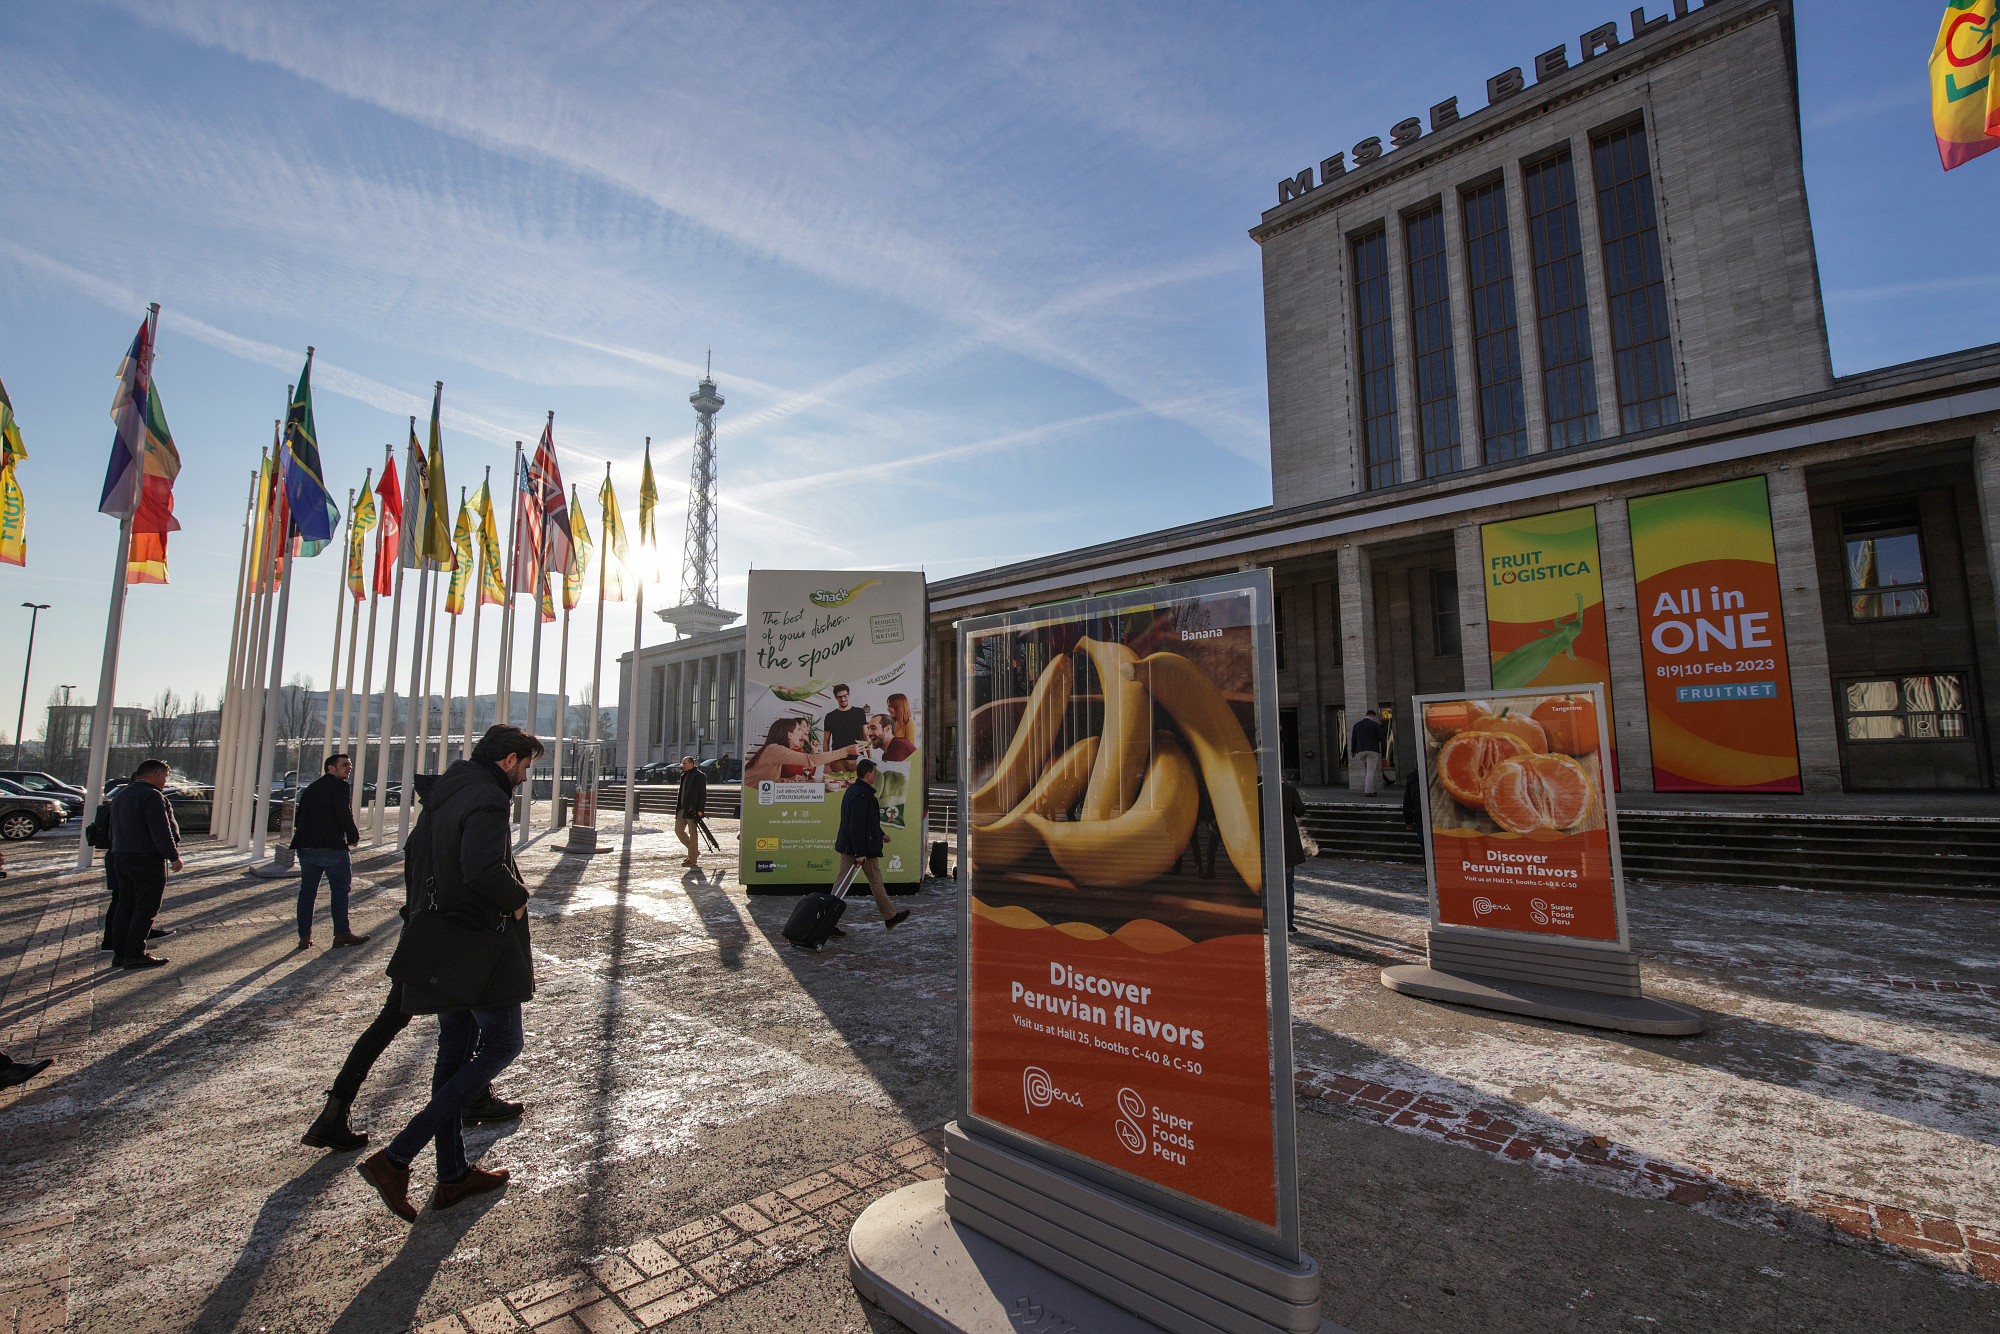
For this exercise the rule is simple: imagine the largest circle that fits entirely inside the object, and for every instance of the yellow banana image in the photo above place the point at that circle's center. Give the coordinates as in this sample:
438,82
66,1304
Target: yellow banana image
1143,843
1128,726
999,845
1033,739
1228,762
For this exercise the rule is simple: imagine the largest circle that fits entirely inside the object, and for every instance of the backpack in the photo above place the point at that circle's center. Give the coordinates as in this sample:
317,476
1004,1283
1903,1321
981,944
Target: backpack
98,833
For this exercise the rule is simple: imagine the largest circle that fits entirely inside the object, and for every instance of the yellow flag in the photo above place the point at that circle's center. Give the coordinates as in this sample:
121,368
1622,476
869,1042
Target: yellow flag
1965,106
614,543
461,564
357,531
649,496
579,553
435,540
13,505
492,581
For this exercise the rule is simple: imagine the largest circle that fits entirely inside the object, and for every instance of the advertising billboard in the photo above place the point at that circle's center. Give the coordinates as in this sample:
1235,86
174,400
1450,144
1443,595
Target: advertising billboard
1545,603
834,675
1124,1001
1520,834
1718,681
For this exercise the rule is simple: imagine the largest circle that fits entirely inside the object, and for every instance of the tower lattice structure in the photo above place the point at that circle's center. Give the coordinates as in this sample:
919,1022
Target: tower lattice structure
701,560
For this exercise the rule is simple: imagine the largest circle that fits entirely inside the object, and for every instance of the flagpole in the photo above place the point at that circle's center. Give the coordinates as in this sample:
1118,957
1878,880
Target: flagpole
450,652
631,718
534,690
353,643
367,688
219,802
243,813
597,658
333,668
388,674
409,796
504,697
430,661
267,757
562,715
478,606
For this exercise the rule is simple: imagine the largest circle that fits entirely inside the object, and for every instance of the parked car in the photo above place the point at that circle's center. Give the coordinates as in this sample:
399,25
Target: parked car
194,808
71,802
661,771
25,816
724,769
36,781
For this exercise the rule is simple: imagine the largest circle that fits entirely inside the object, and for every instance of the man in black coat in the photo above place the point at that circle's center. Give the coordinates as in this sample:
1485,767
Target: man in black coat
1365,749
459,865
689,806
861,838
322,832
145,840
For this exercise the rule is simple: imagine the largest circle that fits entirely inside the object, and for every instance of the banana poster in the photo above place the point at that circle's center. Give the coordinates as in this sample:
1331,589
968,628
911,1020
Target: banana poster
834,676
1712,638
1119,955
1519,831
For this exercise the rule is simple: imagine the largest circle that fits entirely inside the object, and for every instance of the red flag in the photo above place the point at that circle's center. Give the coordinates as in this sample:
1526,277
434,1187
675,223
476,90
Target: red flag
389,534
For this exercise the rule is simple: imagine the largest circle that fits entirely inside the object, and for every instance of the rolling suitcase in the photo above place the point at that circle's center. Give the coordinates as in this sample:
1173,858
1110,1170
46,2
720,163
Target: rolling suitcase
816,918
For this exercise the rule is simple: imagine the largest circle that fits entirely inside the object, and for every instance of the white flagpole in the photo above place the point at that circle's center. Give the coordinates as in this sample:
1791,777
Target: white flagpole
367,688
632,708
597,656
504,699
472,655
409,797
444,727
267,753
353,643
430,661
562,711
534,689
333,668
389,679
243,813
219,800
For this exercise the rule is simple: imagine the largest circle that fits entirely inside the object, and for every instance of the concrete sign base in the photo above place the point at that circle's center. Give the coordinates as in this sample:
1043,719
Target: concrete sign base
909,1257
1625,1014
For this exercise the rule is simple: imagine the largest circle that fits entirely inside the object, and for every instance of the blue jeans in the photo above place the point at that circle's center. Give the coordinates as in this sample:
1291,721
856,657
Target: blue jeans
474,1046
339,872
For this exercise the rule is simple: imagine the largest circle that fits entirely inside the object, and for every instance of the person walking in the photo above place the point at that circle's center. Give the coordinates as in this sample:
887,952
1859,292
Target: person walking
461,860
322,832
145,841
1365,749
861,838
1295,849
689,807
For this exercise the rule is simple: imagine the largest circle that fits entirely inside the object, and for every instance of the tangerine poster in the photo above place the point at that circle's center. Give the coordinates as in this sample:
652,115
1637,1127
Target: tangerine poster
1119,962
1520,834
1712,638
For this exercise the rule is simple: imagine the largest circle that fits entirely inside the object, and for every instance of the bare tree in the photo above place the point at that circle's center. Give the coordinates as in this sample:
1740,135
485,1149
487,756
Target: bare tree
196,733
295,715
163,723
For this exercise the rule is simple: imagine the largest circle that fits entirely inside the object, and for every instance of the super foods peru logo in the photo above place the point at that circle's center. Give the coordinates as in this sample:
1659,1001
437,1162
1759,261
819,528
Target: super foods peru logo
1038,1090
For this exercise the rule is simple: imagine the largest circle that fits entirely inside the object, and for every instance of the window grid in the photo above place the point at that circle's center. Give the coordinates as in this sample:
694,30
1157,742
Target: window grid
1430,342
1496,337
1908,708
1569,377
1375,342
1634,281
1444,614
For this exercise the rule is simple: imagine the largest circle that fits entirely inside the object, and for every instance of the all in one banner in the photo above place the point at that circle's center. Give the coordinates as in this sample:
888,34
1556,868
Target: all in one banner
1718,681
1520,834
835,675
1545,603
1125,999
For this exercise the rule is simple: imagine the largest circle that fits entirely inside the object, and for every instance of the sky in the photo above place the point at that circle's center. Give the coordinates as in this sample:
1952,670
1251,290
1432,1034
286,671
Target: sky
975,278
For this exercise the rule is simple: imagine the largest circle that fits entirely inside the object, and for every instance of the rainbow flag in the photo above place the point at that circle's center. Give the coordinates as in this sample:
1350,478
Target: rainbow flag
13,505
1965,110
146,559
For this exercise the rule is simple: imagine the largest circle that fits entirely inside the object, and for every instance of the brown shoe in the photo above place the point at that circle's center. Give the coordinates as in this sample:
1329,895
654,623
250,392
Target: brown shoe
390,1181
305,943
477,1182
349,939
891,923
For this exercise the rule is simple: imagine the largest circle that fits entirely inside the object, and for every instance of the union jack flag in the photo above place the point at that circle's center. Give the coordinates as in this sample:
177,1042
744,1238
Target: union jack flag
544,516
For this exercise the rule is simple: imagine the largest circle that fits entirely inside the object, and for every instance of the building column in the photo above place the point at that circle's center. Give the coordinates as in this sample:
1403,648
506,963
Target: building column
1527,310
1610,421
1986,476
1465,365
1357,645
1805,630
1407,445
1631,734
1476,653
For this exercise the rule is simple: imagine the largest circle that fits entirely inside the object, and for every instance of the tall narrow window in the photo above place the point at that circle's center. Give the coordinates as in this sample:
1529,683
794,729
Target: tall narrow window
1496,341
1430,342
1634,283
1375,341
1444,613
1569,380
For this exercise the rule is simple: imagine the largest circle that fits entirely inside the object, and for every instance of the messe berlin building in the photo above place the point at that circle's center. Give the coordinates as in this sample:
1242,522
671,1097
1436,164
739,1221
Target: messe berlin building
1586,318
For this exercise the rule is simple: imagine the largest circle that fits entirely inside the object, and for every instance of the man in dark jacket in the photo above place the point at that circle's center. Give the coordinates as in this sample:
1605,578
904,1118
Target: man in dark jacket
689,807
460,866
322,832
1365,749
861,838
145,840
1295,849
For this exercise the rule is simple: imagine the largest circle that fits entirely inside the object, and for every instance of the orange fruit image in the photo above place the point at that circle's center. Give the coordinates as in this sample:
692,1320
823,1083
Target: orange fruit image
1446,720
1570,722
1530,792
1469,757
1520,725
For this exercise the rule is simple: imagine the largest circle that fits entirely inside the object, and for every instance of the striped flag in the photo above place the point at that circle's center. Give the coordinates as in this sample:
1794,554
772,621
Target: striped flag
357,532
416,496
389,532
461,565
548,497
146,558
614,543
313,510
435,542
492,578
579,554
13,505
124,473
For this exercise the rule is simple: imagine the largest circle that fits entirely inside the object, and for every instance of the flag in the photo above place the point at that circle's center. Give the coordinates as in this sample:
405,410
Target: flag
614,543
357,533
461,564
388,536
548,605
124,473
312,508
435,542
527,526
551,506
579,553
146,558
13,505
260,538
649,496
1965,105
416,497
492,581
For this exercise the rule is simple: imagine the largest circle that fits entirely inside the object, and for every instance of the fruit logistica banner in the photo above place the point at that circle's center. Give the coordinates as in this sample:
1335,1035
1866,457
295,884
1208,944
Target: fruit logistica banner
1519,831
1718,680
835,675
1119,951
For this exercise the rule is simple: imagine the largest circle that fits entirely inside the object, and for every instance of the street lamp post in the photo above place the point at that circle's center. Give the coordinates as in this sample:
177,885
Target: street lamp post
34,614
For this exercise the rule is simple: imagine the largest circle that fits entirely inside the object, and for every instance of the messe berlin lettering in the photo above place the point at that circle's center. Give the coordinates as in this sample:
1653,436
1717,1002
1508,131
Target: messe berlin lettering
1598,41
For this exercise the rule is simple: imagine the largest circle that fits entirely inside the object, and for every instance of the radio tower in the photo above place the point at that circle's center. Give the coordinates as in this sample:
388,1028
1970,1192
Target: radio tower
699,611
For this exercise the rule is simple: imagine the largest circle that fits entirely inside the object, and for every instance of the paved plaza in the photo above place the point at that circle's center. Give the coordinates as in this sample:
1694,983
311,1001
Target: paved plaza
709,1109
